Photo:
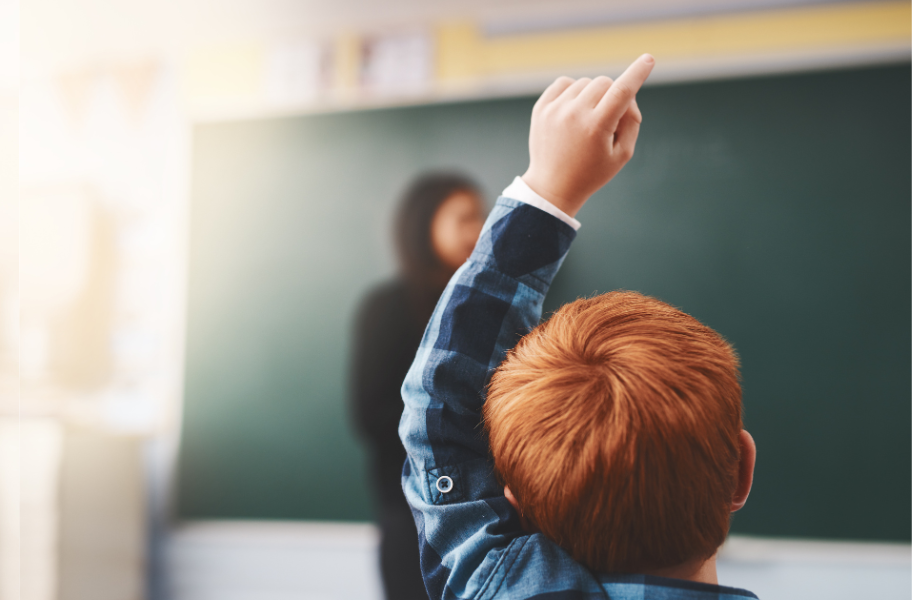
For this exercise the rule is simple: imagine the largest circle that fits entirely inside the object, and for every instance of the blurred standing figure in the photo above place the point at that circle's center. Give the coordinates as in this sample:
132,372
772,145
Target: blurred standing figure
436,228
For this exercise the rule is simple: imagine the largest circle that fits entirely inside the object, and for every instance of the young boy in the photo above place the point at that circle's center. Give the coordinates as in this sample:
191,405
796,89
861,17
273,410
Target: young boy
612,451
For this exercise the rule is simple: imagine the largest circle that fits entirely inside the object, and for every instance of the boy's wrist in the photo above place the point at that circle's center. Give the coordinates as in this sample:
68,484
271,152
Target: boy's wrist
566,202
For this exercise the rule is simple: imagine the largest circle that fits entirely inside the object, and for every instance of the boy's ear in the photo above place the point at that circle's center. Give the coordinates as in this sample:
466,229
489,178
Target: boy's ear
527,525
511,499
745,470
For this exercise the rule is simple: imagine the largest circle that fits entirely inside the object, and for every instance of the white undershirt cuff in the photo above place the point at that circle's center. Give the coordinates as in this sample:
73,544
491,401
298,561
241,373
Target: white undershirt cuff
520,190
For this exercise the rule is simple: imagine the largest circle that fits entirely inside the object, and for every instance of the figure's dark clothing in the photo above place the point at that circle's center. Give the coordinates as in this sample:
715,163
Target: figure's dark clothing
388,330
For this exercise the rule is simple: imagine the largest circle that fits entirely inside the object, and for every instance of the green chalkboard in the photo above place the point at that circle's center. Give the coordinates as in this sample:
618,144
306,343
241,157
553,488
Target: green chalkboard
775,209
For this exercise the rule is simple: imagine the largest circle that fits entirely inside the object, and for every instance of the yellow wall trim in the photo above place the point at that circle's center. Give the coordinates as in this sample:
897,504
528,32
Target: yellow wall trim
464,53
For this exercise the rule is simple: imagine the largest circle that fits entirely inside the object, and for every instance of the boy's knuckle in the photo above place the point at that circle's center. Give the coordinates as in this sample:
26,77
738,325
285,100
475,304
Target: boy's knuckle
549,111
575,120
622,90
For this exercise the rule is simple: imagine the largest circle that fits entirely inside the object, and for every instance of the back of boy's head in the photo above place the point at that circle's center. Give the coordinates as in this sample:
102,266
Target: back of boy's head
615,424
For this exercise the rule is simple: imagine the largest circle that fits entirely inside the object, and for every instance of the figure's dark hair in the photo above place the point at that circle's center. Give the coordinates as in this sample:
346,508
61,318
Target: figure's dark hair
412,231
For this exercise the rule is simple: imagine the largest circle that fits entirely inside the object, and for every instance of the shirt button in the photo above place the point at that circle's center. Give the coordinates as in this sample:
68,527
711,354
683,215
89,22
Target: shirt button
444,484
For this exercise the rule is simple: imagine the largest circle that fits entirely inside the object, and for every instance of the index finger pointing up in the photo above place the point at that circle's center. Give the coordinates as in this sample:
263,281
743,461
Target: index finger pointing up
614,103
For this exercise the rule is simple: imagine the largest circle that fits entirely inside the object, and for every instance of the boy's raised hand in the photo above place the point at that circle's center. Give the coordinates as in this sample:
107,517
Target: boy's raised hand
582,133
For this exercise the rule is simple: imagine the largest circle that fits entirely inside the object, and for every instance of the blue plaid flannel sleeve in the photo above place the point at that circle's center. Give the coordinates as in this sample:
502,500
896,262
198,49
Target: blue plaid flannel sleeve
468,532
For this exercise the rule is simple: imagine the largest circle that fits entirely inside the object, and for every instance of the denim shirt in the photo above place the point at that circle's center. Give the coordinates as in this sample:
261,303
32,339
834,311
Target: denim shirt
471,542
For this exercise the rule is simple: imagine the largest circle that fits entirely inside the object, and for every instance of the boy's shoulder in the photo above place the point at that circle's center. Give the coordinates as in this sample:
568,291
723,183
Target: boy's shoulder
533,567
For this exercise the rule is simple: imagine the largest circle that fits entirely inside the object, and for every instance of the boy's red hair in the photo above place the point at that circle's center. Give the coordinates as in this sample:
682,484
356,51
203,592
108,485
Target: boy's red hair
615,423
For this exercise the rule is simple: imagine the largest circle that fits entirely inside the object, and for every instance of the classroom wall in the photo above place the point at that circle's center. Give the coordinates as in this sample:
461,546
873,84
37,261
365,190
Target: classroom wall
774,209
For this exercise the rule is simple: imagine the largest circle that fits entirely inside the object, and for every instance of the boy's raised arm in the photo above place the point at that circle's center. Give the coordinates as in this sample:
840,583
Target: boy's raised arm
582,133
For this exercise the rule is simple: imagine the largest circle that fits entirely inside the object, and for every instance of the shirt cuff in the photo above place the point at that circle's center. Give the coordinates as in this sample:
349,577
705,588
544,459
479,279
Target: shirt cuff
520,190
